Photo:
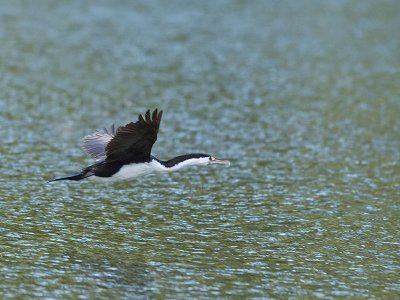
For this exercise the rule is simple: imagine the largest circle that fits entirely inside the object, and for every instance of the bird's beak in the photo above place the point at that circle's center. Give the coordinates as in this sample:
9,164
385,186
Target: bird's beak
220,162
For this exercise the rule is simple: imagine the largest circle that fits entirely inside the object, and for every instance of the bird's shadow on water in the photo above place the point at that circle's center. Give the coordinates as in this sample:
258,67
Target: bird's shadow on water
112,270
155,185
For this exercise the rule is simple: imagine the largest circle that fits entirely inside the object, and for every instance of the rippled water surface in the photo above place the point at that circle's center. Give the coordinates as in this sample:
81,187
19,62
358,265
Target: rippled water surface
302,96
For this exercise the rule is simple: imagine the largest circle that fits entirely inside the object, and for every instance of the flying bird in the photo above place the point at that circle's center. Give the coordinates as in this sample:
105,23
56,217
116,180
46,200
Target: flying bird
125,152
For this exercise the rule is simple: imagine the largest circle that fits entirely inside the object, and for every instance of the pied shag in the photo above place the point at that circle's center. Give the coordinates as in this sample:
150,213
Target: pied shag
125,152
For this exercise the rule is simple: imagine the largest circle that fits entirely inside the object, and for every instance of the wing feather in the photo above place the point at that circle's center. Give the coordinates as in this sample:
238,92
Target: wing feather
133,142
95,144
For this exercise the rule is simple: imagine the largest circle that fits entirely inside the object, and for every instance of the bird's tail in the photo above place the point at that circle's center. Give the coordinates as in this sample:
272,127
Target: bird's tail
76,177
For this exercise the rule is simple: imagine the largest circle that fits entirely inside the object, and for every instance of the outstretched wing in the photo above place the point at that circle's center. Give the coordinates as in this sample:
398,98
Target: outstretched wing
132,143
95,144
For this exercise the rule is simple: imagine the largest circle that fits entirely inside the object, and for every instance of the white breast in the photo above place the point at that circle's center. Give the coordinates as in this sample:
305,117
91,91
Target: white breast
134,170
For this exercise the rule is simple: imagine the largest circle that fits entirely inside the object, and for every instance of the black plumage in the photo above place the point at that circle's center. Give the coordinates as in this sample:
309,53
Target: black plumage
132,143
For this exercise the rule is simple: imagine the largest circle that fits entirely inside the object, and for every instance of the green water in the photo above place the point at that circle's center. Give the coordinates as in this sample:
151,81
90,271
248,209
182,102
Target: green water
302,96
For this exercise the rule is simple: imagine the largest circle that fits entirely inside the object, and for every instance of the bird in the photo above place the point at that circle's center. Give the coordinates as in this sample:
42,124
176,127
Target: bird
125,152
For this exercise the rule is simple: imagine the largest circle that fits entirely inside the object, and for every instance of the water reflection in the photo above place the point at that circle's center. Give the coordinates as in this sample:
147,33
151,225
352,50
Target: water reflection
305,109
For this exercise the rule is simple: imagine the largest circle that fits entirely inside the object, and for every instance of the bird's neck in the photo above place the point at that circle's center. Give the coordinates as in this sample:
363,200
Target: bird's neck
181,161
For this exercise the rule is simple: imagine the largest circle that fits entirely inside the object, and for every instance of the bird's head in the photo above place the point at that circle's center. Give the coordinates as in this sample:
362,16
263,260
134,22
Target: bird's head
194,159
206,159
213,161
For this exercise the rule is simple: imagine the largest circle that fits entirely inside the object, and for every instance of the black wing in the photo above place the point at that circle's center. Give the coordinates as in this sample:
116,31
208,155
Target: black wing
132,143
